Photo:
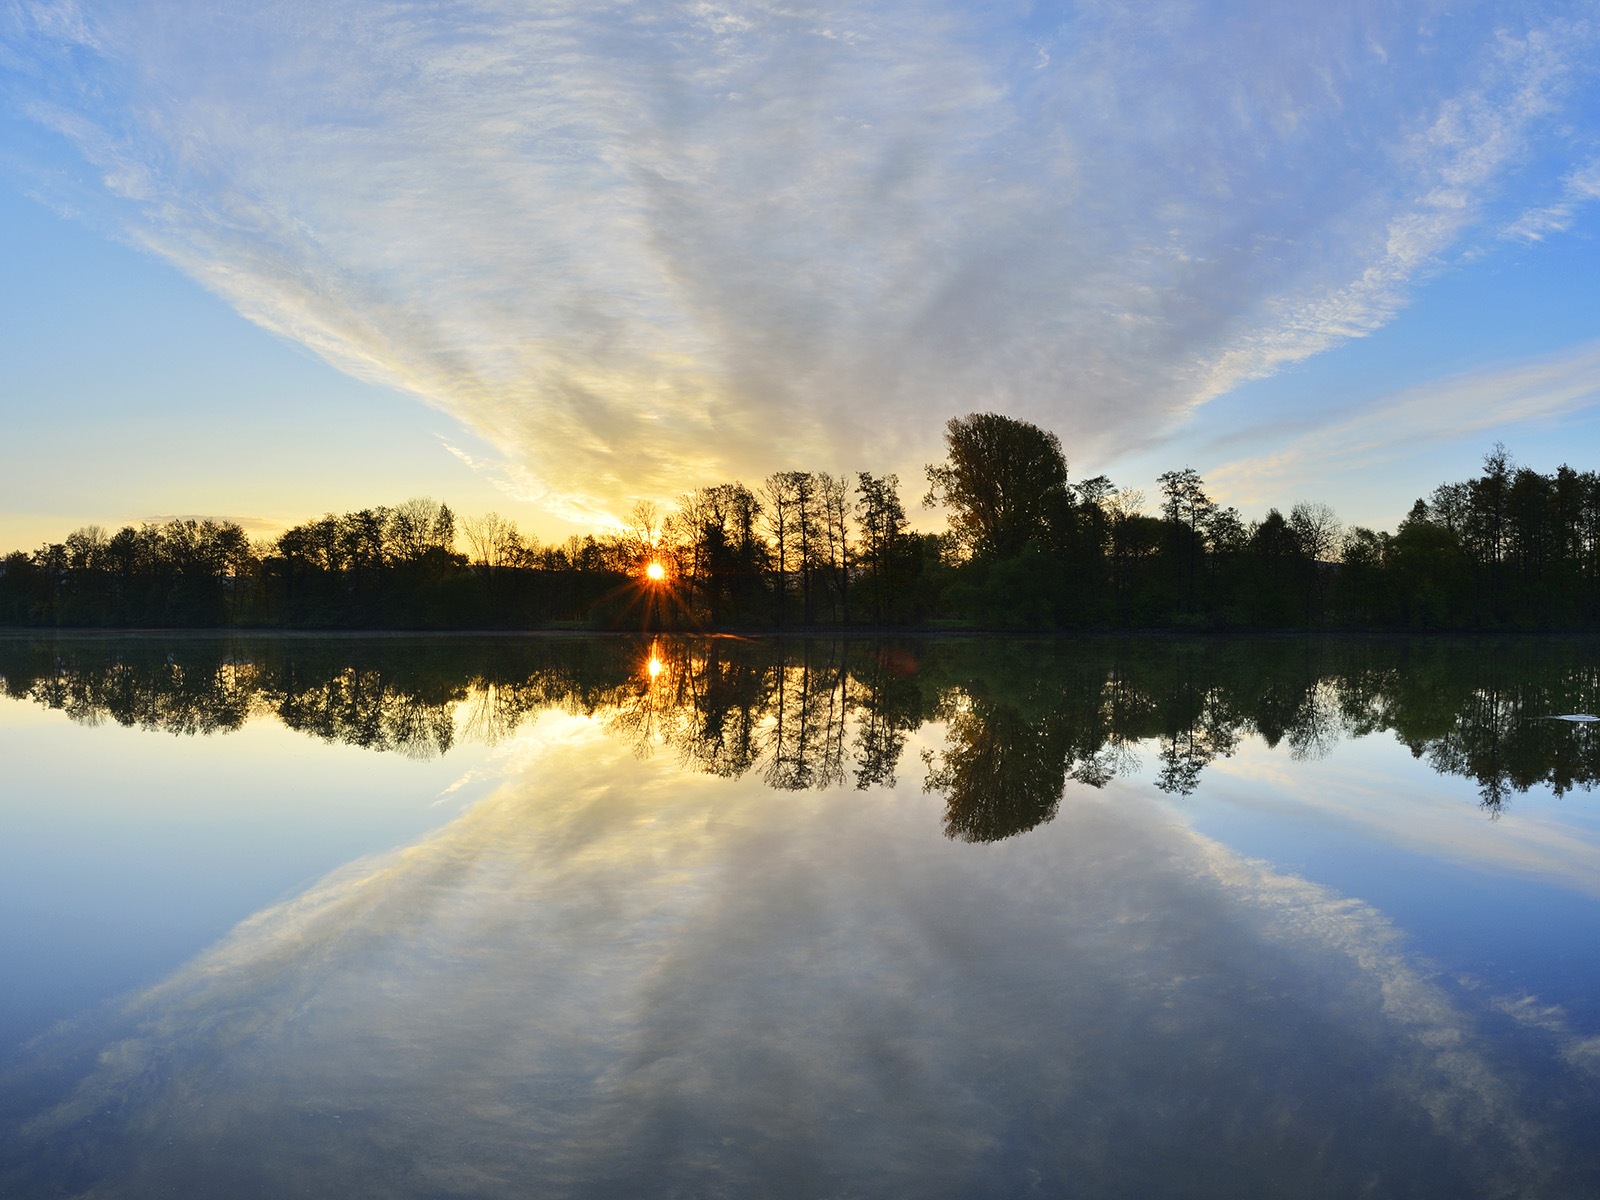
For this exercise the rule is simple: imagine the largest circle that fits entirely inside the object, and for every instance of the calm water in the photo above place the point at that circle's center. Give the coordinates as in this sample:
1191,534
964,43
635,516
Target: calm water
593,918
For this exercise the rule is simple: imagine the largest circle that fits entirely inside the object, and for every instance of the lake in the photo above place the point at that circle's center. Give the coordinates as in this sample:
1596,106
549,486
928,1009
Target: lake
614,916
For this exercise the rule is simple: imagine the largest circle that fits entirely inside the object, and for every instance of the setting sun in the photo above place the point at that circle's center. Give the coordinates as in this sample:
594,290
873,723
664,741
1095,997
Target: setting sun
655,572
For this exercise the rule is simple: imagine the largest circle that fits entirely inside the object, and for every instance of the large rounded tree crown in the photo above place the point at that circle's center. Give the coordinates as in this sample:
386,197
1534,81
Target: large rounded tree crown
1005,484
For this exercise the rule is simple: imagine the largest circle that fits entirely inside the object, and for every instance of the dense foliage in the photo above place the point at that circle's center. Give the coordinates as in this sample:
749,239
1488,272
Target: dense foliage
1027,549
1025,724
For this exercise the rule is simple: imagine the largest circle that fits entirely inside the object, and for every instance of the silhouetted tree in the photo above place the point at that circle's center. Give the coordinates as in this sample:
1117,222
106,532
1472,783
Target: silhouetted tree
882,522
1317,534
1004,482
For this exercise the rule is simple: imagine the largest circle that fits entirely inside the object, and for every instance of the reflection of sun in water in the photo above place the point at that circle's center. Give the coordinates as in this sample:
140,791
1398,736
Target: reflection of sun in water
654,667
655,572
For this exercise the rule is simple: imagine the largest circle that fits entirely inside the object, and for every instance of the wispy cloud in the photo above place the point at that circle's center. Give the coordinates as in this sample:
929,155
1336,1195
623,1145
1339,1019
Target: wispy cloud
1442,176
1396,426
639,247
1580,189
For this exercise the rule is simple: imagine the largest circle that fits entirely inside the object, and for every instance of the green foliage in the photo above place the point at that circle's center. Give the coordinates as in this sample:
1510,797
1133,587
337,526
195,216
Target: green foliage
1004,483
1025,723
1026,550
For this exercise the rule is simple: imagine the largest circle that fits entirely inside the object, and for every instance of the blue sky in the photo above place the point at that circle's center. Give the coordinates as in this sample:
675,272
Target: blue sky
266,261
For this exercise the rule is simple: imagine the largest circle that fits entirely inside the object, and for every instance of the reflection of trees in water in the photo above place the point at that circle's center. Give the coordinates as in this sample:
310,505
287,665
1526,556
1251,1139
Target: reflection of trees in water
1020,722
887,690
392,695
158,693
1493,739
1000,774
362,707
492,713
1318,723
1207,727
1024,722
729,707
719,704
809,711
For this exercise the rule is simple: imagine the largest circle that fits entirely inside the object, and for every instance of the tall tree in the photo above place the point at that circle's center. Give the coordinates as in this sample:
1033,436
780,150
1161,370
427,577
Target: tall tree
1004,483
779,513
495,545
1317,533
1187,509
882,521
833,494
715,532
808,534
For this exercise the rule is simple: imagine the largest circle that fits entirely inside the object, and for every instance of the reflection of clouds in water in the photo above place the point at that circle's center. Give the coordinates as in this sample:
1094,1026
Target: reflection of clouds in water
1447,1077
1579,1050
610,977
1357,787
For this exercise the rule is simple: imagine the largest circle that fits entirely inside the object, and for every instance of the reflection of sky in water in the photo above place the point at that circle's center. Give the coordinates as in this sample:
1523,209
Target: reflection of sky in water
1370,786
124,853
1503,903
608,977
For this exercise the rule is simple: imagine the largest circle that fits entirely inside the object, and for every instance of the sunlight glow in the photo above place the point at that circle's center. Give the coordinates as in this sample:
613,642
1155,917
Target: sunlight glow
655,572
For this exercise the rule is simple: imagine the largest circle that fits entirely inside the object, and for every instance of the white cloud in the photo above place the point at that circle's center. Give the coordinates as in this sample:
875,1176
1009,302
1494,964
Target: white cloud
1398,425
1579,189
640,247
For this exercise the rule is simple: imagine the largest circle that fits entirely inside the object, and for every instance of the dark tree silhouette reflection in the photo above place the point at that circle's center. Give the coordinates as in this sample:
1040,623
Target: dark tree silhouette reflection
1024,723
1000,774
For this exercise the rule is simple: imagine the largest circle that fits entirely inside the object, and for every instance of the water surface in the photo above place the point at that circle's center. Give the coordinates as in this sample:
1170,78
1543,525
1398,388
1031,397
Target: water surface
607,917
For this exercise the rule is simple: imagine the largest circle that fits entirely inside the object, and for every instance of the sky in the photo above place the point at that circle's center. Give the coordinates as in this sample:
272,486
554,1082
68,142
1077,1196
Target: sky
270,260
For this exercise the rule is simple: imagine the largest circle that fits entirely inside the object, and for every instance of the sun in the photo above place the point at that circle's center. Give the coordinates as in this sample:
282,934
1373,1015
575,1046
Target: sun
657,592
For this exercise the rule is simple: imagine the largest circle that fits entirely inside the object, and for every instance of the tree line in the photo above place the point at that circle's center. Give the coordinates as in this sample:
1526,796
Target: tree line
1025,722
1026,548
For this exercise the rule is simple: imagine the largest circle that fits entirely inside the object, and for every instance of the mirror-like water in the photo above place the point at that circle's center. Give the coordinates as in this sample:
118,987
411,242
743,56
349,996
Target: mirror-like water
607,917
